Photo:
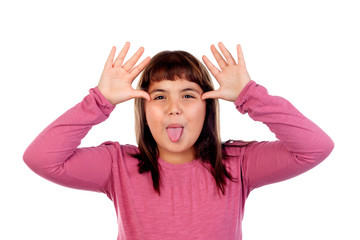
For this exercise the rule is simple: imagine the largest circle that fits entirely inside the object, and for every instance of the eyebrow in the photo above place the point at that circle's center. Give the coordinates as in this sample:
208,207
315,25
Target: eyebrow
183,90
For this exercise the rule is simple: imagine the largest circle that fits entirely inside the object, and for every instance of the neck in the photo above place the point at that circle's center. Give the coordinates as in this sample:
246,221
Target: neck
177,158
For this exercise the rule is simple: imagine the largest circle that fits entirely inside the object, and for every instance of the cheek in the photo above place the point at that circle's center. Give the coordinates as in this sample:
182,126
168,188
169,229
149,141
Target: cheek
198,115
148,114
153,116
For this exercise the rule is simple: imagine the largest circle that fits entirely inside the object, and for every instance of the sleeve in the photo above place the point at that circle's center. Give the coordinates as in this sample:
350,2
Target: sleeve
301,144
54,154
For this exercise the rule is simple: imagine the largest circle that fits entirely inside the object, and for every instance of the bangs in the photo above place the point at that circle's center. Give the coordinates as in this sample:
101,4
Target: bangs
174,65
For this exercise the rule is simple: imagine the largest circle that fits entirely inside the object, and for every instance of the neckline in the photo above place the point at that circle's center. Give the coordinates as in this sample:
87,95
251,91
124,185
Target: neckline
168,165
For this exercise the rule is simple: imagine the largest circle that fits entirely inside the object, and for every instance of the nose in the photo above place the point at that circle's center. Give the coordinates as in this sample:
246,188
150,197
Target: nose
174,108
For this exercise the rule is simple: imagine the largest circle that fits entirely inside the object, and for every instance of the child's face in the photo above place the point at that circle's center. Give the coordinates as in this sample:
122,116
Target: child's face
175,116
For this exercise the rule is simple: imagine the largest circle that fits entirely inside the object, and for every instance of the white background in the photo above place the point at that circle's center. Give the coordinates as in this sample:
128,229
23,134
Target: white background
53,52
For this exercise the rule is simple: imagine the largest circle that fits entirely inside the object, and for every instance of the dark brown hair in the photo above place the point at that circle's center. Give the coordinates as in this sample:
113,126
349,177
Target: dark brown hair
172,65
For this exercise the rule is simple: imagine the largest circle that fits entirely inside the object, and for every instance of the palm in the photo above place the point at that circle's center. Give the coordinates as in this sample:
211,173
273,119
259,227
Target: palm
116,79
233,76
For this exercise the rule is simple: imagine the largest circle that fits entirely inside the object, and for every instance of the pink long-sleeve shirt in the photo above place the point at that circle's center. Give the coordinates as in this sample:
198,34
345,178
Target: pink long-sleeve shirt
189,206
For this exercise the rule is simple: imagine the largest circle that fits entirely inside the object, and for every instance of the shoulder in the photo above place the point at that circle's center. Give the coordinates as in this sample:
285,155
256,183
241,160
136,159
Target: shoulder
123,156
236,143
120,150
129,149
232,147
233,152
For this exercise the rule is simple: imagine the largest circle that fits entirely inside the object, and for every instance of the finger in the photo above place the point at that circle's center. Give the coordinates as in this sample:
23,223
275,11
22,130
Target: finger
240,54
212,68
219,59
138,69
211,94
120,58
141,94
132,61
110,60
230,60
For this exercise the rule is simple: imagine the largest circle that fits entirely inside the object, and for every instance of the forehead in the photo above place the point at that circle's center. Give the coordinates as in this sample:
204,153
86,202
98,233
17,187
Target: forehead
174,85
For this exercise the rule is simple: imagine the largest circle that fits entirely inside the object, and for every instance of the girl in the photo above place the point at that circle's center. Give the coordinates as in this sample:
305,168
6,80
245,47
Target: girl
180,182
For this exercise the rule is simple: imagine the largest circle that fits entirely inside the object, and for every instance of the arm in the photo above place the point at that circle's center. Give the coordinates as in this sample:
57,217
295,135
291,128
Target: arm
301,145
55,155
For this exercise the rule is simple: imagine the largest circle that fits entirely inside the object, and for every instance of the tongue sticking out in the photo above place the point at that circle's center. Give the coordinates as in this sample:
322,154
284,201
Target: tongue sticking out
174,133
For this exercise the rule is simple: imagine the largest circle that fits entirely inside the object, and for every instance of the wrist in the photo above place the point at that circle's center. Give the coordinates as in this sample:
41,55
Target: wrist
102,94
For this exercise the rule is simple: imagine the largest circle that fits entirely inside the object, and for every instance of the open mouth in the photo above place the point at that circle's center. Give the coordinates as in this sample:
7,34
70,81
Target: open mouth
174,132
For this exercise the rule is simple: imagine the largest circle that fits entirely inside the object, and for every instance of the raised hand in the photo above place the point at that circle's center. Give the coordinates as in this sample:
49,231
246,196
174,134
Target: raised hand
232,77
116,78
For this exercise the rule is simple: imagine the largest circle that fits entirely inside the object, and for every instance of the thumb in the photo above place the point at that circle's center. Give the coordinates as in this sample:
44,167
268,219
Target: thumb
141,94
210,94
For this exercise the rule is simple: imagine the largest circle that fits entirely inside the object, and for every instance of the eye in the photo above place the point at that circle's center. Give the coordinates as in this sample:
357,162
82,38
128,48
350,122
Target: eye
188,96
159,98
